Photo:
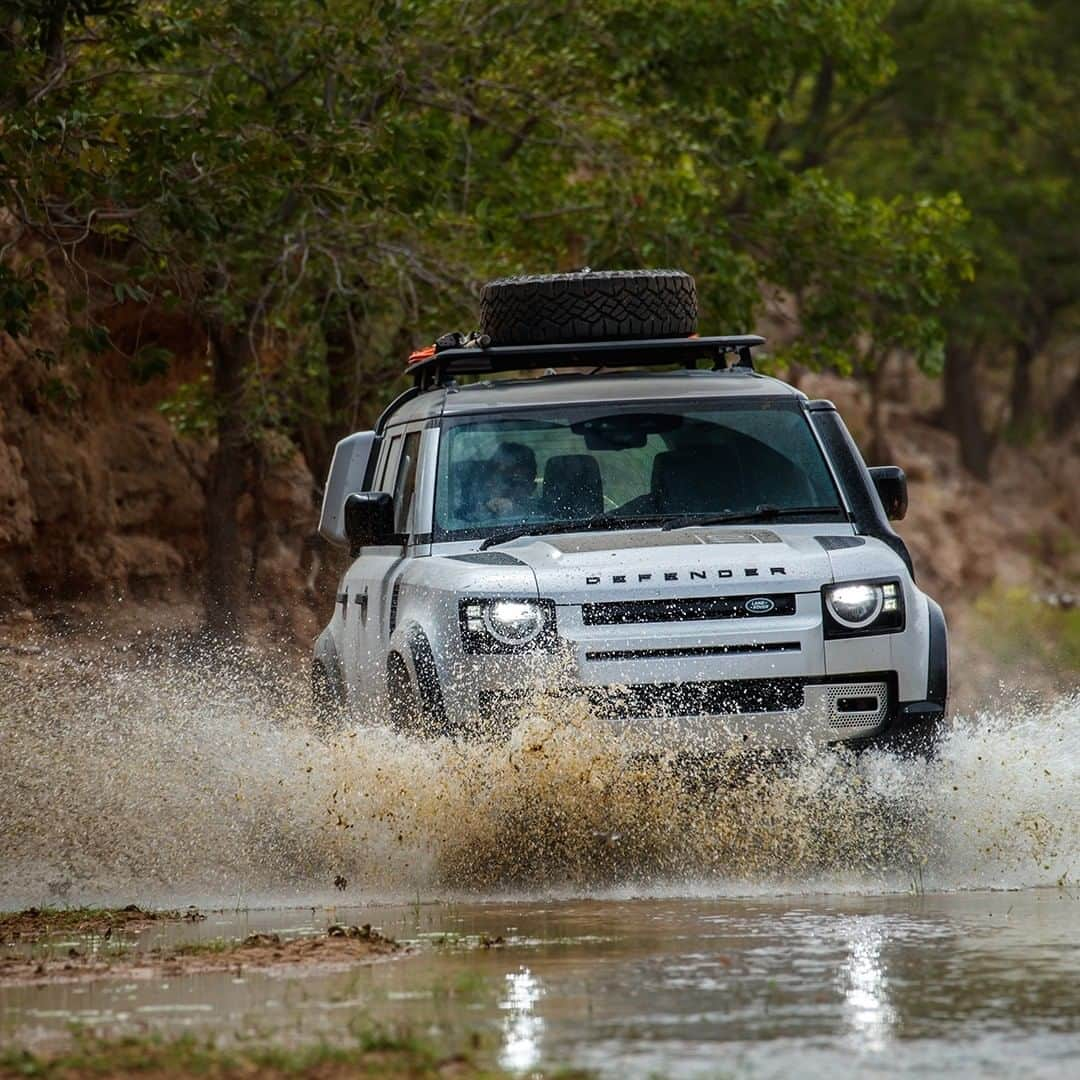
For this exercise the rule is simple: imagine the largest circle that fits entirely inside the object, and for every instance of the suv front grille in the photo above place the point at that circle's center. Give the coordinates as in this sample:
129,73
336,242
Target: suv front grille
845,699
622,612
699,698
667,699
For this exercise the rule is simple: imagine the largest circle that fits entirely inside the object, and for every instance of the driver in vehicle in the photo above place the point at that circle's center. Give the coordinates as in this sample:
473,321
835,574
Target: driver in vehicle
511,482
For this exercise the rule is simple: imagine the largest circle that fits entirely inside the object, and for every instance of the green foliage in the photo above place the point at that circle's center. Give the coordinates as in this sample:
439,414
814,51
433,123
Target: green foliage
984,101
284,168
191,408
19,292
1022,629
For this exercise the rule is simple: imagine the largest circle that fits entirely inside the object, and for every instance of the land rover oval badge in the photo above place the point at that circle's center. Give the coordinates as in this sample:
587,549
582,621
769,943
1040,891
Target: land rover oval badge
760,605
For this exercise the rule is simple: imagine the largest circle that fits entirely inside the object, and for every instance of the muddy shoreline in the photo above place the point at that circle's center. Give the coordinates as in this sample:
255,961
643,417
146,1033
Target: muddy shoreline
33,924
98,955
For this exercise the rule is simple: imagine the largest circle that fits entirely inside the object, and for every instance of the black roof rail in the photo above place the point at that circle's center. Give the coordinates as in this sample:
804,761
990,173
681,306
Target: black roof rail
474,359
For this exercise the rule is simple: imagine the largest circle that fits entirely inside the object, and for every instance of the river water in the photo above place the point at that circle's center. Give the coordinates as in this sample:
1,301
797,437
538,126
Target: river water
833,916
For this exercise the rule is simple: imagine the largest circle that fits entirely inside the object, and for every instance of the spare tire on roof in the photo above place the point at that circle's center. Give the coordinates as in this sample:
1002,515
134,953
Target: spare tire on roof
543,309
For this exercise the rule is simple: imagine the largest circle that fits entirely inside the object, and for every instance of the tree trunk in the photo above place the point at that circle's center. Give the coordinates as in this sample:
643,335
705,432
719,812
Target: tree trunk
225,578
880,448
1067,410
1020,419
962,411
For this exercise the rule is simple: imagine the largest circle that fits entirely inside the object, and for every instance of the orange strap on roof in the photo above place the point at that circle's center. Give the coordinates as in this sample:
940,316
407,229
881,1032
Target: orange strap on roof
421,354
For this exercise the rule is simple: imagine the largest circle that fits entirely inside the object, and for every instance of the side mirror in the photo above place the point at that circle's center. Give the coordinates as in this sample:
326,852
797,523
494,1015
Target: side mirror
891,485
369,519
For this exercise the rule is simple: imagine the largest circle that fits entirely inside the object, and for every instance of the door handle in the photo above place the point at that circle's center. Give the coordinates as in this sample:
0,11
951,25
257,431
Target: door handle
343,600
361,599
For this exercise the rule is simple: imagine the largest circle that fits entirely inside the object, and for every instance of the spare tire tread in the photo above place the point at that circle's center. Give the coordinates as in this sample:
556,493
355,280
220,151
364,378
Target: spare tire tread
545,309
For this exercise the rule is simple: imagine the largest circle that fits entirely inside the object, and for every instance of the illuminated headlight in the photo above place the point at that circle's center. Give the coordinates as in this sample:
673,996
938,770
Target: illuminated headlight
505,625
863,607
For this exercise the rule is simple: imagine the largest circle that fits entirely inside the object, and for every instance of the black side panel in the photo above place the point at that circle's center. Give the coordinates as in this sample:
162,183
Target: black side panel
854,478
937,675
487,558
835,543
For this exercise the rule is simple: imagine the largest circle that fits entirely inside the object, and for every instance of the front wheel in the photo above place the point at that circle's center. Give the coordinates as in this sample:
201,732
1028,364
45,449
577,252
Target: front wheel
412,711
327,701
915,736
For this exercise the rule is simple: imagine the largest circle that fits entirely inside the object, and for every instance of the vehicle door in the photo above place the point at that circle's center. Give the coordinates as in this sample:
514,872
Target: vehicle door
370,582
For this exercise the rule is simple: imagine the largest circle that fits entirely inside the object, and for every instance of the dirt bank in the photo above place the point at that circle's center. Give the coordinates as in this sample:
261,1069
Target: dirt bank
34,924
103,488
339,948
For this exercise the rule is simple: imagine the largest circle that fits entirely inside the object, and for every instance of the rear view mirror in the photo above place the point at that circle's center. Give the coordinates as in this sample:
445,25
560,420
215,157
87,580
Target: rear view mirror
891,485
369,519
624,431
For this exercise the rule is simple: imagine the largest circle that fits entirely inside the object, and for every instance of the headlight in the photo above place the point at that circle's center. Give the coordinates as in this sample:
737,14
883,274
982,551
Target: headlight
863,607
506,625
854,606
513,622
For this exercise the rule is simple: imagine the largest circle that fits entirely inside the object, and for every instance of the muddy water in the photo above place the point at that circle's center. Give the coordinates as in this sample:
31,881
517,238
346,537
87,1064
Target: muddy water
834,914
972,983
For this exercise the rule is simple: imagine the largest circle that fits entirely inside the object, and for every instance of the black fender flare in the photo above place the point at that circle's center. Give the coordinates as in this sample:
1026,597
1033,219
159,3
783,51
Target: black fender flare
419,659
937,670
325,655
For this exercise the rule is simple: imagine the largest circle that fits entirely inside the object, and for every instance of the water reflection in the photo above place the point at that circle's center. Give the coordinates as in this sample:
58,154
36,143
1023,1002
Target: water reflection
522,1028
868,1011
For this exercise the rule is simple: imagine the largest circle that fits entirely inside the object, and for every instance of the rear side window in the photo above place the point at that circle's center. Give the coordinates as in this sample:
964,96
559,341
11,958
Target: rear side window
405,485
386,462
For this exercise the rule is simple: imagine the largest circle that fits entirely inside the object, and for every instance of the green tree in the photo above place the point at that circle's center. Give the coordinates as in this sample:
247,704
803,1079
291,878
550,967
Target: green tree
322,186
984,101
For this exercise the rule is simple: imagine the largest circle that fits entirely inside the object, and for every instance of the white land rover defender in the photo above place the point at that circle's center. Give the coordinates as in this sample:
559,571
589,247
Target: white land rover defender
700,547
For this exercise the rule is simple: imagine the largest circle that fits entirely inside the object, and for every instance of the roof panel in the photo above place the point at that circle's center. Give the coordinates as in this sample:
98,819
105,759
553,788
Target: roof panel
571,389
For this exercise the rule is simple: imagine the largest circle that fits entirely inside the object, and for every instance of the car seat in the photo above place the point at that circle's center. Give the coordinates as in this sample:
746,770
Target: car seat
696,481
468,481
573,489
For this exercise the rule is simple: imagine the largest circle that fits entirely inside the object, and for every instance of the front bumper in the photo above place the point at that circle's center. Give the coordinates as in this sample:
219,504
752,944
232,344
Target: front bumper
781,712
770,681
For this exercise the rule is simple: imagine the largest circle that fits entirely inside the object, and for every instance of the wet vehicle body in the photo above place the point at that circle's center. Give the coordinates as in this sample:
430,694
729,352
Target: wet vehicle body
700,550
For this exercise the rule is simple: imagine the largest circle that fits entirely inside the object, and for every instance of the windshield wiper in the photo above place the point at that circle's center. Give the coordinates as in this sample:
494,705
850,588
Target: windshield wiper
764,512
546,528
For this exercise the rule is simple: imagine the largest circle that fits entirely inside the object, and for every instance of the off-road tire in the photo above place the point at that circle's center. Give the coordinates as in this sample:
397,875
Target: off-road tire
545,309
327,700
416,709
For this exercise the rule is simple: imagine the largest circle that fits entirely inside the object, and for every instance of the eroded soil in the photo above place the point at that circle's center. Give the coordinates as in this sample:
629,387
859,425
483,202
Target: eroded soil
340,947
34,924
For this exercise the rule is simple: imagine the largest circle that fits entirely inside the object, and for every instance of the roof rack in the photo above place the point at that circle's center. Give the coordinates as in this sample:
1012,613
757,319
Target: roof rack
433,367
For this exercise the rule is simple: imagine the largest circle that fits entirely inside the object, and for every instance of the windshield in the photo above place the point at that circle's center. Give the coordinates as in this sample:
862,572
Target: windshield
654,464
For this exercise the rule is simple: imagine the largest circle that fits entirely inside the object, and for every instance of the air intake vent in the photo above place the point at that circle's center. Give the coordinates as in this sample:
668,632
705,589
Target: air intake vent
695,650
698,608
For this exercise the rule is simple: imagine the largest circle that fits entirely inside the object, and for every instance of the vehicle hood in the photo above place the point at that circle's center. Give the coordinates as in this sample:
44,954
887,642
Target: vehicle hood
578,567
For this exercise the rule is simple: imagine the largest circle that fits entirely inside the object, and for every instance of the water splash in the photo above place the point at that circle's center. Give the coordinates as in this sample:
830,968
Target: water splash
166,779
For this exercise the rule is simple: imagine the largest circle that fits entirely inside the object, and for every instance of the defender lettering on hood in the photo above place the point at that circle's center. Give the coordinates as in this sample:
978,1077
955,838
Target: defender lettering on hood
686,575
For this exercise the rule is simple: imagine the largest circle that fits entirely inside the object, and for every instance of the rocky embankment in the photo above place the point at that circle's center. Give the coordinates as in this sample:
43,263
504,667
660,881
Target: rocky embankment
102,498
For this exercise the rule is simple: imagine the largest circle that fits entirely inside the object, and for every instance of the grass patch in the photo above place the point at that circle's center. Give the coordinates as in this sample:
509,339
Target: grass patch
372,1053
211,947
1020,629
